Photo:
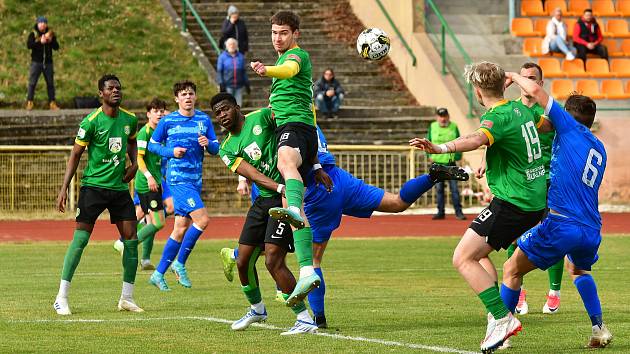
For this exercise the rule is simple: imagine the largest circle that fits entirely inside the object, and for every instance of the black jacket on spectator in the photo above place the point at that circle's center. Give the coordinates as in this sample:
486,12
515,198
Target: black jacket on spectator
237,31
589,32
41,53
321,86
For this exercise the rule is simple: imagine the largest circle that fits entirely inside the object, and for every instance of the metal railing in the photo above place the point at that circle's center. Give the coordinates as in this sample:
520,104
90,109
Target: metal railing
30,177
402,39
439,39
187,5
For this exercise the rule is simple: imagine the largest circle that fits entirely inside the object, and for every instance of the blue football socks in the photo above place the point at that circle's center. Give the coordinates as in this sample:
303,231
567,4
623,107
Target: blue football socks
188,243
510,297
588,292
414,188
316,296
168,255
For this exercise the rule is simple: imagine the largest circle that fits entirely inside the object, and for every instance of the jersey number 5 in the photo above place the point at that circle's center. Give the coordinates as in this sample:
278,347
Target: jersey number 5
590,180
530,134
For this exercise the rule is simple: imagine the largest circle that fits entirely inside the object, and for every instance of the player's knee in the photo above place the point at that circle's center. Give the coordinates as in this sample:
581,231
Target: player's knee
202,222
274,260
458,260
242,264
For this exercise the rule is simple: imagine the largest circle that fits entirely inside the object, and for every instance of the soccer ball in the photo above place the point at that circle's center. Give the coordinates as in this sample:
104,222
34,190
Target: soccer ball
373,44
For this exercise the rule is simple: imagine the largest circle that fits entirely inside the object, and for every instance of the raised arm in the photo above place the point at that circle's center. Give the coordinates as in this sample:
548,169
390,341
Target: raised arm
285,71
469,142
529,86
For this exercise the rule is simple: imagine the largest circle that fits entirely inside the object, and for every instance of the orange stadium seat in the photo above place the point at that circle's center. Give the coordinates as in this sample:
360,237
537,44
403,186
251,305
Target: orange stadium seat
598,68
625,47
621,67
613,48
604,8
623,6
589,88
628,87
617,28
574,68
540,26
523,27
532,47
551,67
577,7
551,5
532,8
613,90
561,89
570,25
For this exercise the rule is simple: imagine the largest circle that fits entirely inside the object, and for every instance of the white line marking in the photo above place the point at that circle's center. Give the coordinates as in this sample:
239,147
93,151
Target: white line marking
259,325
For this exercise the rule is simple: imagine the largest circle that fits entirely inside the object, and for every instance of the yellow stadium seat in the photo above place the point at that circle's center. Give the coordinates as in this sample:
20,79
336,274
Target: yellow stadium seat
570,22
613,48
621,67
523,27
577,7
574,68
598,68
623,6
625,47
551,67
532,8
617,28
532,47
561,89
604,8
589,88
551,5
613,90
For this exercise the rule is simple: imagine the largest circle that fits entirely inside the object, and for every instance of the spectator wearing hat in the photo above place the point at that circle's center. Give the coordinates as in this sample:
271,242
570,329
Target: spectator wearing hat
41,41
234,27
440,132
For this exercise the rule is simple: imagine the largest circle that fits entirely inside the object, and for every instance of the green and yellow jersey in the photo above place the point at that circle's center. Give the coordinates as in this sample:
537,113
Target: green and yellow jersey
546,139
106,140
256,144
152,161
514,165
292,99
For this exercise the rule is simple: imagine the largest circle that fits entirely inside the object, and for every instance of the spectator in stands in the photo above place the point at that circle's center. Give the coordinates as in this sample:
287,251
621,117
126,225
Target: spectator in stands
328,94
231,71
41,41
556,37
587,37
440,132
234,27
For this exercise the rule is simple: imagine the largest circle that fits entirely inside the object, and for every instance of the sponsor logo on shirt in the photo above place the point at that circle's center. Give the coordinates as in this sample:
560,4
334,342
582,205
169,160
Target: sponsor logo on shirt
115,145
487,124
517,111
294,57
533,173
253,151
81,133
257,129
226,160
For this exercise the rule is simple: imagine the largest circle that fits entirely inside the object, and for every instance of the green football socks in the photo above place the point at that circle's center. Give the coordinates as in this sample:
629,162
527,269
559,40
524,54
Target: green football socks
303,241
251,290
493,303
252,293
73,254
297,308
294,193
555,275
130,261
510,250
146,237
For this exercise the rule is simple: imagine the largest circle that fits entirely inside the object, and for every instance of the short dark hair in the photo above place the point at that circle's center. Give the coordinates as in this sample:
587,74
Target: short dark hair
288,18
442,112
104,79
582,108
530,65
156,103
183,85
222,96
587,10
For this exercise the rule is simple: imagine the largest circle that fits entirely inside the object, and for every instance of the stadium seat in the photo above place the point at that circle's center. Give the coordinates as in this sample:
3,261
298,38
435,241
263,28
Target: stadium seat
628,87
523,27
570,25
598,68
623,6
577,7
533,47
621,67
532,8
589,88
551,67
561,89
540,26
551,5
574,68
625,47
604,8
613,90
613,48
617,28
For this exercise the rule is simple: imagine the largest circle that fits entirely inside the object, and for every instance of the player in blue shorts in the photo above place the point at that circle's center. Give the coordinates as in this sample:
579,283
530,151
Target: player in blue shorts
187,133
573,227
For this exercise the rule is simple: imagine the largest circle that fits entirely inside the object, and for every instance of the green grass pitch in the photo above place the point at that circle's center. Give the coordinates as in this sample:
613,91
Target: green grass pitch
401,291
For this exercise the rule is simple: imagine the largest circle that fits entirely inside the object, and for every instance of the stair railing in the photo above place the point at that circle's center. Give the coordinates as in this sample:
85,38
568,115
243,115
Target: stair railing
187,5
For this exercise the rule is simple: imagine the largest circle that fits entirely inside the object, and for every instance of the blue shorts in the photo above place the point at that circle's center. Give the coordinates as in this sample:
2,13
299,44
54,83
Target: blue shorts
166,191
557,236
350,196
186,199
136,198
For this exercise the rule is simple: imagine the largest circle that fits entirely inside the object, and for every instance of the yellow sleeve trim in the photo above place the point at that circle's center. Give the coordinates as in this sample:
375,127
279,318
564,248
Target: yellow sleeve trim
82,143
287,70
488,134
226,140
94,114
254,112
237,163
126,111
141,152
541,121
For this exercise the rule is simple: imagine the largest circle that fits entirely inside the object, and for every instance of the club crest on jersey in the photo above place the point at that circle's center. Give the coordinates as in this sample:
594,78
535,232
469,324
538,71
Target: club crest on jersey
191,202
517,111
127,130
115,145
202,129
257,129
81,133
253,151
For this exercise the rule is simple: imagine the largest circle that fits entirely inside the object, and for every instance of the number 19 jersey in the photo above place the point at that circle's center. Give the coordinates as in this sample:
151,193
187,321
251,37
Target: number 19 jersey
514,166
578,161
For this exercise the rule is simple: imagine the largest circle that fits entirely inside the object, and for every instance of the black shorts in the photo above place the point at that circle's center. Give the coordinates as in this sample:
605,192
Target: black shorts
94,200
302,137
151,201
260,228
502,222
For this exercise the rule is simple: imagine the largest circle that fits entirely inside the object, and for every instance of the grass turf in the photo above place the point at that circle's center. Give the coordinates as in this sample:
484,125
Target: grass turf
402,290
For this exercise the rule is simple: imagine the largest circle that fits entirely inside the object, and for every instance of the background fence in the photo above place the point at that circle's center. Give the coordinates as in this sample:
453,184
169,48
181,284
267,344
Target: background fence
30,177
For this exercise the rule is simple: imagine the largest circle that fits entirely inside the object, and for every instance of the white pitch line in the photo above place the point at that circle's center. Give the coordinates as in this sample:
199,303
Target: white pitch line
388,343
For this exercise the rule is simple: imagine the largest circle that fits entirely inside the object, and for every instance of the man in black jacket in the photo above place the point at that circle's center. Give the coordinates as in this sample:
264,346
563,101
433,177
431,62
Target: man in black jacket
234,27
328,94
41,41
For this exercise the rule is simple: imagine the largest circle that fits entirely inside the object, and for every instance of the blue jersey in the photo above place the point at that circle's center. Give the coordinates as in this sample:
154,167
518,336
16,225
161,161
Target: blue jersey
578,161
323,155
176,130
